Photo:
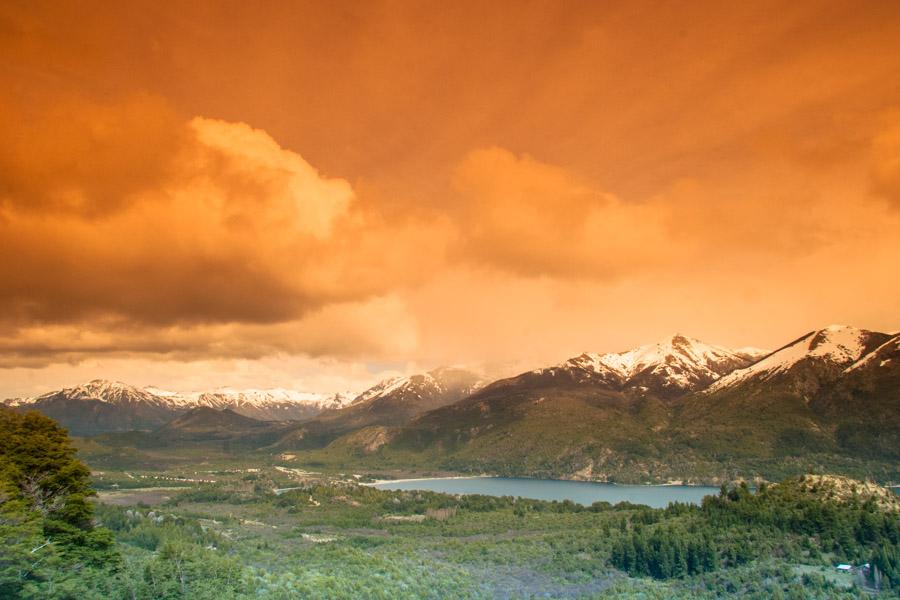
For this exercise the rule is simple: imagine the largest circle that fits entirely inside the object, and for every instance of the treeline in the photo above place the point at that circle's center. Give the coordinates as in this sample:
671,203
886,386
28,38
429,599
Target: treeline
848,526
665,552
741,525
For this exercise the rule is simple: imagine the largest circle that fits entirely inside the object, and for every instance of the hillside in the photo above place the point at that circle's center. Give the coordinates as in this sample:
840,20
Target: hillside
390,403
102,406
830,398
206,424
833,391
676,410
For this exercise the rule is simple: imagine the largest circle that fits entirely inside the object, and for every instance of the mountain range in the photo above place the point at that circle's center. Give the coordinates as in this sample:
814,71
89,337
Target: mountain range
676,409
101,406
390,403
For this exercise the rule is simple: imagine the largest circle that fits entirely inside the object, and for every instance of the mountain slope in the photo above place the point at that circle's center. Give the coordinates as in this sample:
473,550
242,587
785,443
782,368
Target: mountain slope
390,403
818,354
835,390
675,409
584,416
101,406
107,407
207,424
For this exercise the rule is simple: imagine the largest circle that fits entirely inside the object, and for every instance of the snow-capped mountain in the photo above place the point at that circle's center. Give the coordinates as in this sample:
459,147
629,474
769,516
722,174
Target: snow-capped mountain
667,369
444,380
100,390
834,390
553,418
390,403
828,351
830,396
101,406
276,404
677,364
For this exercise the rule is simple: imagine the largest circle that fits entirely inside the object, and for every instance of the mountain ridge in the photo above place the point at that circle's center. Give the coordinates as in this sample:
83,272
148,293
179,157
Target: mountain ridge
654,413
602,426
387,404
104,406
839,344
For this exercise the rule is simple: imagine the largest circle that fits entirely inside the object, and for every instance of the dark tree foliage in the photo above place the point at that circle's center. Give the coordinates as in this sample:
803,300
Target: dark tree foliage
850,527
886,566
38,466
51,548
665,552
741,525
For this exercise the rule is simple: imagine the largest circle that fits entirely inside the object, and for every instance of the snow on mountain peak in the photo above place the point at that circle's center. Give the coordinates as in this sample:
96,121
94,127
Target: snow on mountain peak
394,384
113,392
228,397
679,360
839,344
99,390
116,392
435,382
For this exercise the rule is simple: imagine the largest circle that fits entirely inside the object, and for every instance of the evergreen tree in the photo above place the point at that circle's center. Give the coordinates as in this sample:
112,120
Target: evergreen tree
51,548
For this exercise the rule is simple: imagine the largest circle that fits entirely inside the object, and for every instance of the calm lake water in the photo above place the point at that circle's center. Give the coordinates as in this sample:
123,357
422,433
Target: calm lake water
582,492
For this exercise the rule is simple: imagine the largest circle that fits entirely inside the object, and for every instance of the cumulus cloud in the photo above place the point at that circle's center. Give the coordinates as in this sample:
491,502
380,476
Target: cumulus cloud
133,214
145,234
255,186
381,327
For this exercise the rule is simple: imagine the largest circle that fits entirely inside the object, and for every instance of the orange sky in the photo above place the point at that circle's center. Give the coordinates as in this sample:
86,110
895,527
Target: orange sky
319,194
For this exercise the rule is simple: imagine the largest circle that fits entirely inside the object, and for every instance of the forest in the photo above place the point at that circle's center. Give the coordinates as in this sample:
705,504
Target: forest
333,538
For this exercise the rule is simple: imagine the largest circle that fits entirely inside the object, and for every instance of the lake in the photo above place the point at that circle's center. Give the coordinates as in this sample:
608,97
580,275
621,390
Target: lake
582,492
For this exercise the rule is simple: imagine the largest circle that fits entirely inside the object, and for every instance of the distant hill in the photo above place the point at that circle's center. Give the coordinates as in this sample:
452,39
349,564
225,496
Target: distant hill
101,406
833,391
204,423
678,409
390,403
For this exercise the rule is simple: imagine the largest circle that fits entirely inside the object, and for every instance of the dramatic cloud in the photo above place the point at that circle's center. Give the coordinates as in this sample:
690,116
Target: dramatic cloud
397,185
213,222
379,327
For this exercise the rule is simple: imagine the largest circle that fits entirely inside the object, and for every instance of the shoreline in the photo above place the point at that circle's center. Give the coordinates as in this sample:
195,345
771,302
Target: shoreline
488,476
383,481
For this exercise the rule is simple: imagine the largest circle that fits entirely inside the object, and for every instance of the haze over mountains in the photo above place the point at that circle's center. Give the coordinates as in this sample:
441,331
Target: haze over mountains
101,406
678,408
390,403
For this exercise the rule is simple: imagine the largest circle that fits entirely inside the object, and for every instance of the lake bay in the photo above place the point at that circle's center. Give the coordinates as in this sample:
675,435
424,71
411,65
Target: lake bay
582,492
